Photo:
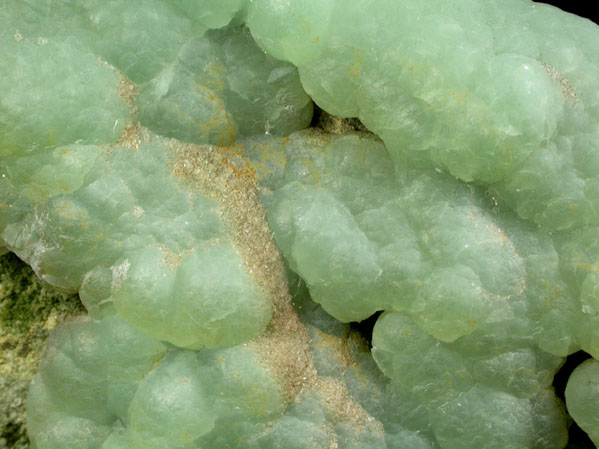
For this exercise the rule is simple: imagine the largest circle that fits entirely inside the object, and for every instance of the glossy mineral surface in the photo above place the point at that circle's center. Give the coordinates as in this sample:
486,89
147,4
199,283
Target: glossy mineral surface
466,323
470,221
127,389
502,93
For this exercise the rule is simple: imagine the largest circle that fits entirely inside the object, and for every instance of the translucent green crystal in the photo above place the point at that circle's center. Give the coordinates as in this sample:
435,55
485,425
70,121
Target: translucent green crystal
46,103
127,389
490,387
105,210
500,93
196,85
149,161
467,283
353,228
126,231
222,85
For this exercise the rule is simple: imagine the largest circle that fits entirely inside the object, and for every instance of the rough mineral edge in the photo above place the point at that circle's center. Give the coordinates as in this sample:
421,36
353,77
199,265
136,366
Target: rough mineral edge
284,348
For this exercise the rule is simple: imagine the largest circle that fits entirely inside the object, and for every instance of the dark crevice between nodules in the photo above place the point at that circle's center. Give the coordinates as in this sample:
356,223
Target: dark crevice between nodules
365,327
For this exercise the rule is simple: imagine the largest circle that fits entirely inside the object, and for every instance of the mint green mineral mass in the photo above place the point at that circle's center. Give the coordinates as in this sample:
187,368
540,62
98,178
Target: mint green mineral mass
366,236
47,99
489,389
127,390
501,93
197,85
221,85
136,242
475,302
96,203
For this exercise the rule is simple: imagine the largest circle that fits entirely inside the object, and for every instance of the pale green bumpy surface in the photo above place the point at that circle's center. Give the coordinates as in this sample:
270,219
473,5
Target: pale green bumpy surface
111,401
128,390
126,229
466,297
190,342
113,208
502,93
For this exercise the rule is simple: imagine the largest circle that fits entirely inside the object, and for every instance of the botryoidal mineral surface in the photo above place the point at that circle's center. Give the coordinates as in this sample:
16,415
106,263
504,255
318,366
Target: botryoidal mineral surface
152,159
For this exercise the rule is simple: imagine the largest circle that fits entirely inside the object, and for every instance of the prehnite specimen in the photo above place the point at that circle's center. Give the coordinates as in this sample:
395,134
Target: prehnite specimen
152,160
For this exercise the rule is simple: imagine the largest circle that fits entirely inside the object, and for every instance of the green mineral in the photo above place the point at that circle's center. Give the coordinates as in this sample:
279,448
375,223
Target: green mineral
129,390
127,230
153,160
455,267
197,85
222,85
467,324
502,93
128,227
